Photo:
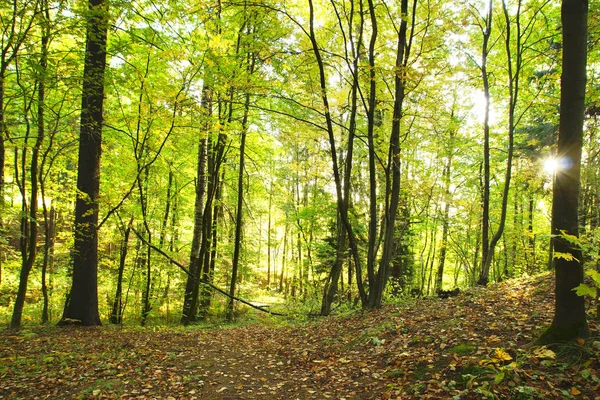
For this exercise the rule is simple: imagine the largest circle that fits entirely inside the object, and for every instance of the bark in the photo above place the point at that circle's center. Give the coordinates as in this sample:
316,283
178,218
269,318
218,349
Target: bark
208,269
331,287
240,201
165,221
333,153
283,258
445,218
373,203
269,237
48,262
116,315
513,88
393,190
195,261
569,321
82,303
485,217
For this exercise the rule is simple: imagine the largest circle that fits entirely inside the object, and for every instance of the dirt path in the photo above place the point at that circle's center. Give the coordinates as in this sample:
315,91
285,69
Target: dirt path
237,363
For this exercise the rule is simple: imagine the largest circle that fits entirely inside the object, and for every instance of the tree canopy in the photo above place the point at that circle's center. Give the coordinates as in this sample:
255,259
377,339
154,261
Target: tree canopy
297,156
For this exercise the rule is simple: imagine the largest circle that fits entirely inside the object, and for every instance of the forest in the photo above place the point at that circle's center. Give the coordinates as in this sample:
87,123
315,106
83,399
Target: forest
178,162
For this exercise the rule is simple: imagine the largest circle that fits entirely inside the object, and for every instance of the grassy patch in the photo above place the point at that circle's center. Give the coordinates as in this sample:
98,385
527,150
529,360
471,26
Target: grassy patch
462,349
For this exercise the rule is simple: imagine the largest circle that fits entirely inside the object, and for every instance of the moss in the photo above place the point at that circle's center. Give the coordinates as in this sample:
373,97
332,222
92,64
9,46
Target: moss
462,349
555,335
395,373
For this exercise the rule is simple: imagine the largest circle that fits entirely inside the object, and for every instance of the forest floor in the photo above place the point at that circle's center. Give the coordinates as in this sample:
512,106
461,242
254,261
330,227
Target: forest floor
466,347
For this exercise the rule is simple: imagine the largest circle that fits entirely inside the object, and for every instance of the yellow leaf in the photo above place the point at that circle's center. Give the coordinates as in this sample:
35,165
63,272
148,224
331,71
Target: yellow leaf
580,341
502,355
574,391
544,353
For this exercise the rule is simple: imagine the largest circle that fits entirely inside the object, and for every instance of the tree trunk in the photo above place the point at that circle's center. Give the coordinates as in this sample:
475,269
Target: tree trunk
240,202
82,304
193,280
331,287
569,321
333,153
48,263
485,196
445,218
116,315
373,203
393,169
513,88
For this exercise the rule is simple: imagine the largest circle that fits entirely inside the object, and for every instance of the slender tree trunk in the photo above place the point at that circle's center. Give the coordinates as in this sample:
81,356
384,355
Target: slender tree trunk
485,218
333,152
445,218
116,315
513,88
165,222
28,240
530,236
35,174
331,287
240,202
393,169
48,263
283,258
269,237
373,203
193,280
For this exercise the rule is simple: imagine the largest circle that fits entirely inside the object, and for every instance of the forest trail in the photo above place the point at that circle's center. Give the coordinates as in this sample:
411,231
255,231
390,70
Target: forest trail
469,346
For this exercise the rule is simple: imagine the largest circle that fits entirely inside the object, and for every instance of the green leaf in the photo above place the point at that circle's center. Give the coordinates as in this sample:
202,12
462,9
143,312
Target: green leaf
584,289
595,275
569,238
499,378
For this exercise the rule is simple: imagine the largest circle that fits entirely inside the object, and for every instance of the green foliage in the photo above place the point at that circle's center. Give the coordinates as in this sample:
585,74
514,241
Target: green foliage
162,56
590,247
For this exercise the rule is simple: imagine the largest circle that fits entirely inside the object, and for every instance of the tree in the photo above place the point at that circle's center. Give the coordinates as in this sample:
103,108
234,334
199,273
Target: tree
569,321
82,302
29,223
486,31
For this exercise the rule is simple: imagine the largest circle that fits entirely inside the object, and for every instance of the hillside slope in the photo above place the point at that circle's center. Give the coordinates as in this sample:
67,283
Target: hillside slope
469,346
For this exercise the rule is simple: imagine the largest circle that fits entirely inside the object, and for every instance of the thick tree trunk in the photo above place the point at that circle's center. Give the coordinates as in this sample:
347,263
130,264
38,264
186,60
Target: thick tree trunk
82,303
569,321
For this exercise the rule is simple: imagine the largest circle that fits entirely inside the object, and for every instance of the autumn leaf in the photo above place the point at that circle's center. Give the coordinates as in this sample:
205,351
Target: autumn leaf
544,353
565,256
502,355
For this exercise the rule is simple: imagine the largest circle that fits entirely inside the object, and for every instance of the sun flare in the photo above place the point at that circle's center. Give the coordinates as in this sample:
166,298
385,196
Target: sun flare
550,165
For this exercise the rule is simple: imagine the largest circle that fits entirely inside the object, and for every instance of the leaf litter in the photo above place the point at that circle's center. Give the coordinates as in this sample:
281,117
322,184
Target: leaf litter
468,346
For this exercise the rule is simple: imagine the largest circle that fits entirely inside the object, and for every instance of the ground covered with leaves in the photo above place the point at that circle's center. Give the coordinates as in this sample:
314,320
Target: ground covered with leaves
469,346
